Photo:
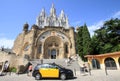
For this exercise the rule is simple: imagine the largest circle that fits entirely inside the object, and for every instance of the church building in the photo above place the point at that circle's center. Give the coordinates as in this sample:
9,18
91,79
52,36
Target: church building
50,38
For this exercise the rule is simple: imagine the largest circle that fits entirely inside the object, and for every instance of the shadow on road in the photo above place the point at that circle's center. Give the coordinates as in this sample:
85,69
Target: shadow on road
54,79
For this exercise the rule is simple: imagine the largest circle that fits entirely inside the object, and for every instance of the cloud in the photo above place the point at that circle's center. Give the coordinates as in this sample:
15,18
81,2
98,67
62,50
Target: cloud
116,15
7,43
100,23
95,26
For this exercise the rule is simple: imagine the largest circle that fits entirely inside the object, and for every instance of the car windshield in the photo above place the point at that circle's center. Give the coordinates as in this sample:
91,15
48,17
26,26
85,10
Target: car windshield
59,66
43,65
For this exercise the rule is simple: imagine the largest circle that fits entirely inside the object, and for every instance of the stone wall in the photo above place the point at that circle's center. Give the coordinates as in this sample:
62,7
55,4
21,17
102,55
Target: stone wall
14,60
33,36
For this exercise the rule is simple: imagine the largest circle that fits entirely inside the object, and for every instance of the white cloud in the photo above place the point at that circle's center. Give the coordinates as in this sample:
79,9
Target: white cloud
95,26
100,23
116,15
7,43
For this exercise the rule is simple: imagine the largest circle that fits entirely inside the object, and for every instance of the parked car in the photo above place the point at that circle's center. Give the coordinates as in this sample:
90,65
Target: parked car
51,70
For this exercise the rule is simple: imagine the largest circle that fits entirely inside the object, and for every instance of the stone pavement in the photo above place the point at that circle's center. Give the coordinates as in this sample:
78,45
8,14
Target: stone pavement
96,75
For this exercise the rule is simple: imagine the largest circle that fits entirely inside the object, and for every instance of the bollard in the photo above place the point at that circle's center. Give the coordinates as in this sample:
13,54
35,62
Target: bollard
90,72
75,71
106,71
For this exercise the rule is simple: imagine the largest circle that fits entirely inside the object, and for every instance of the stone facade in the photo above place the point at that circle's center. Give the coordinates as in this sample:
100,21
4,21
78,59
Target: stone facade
13,59
46,40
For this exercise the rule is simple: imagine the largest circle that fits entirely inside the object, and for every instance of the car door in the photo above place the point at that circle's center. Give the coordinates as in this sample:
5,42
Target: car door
53,71
44,70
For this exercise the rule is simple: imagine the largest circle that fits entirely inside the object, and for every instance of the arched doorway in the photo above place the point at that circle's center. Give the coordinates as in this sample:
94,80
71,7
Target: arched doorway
110,63
53,54
52,47
95,64
119,61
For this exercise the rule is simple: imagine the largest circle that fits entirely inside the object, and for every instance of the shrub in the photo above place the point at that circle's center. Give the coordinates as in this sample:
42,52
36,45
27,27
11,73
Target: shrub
13,69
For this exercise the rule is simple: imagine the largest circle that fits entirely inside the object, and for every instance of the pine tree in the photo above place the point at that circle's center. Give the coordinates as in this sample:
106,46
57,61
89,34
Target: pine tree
108,37
83,41
79,42
86,40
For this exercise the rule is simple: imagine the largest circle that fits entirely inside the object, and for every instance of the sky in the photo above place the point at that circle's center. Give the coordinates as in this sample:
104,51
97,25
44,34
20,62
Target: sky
15,13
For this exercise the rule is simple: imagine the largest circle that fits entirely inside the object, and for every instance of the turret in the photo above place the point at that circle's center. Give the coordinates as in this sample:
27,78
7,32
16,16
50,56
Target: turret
52,11
67,22
25,27
62,15
34,30
43,14
34,27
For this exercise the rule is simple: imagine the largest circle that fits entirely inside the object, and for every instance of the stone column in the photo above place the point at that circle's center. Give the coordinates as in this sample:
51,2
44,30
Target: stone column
72,38
33,37
42,51
117,63
35,53
90,63
61,51
102,64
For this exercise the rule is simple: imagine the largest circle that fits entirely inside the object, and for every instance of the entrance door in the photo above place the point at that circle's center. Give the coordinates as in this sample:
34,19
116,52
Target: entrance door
53,54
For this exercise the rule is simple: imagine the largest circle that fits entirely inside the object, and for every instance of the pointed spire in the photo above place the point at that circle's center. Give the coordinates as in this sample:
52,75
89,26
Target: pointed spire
52,20
42,12
53,11
62,11
52,5
67,22
43,9
62,14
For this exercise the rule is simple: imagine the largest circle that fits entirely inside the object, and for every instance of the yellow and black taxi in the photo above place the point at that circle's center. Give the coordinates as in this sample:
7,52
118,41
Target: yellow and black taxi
51,70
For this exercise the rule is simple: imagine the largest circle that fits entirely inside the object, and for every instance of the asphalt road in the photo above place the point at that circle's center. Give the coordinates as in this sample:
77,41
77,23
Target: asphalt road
96,75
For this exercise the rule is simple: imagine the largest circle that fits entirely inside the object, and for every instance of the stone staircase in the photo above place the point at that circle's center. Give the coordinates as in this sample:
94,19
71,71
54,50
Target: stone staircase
73,65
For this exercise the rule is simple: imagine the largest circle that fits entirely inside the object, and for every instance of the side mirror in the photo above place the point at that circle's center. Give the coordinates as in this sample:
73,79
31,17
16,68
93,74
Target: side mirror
56,67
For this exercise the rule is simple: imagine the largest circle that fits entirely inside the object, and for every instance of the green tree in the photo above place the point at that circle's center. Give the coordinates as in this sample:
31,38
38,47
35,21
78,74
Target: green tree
86,40
83,41
94,45
79,42
108,37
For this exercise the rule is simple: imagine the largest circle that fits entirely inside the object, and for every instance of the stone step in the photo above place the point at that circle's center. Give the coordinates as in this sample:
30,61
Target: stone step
72,65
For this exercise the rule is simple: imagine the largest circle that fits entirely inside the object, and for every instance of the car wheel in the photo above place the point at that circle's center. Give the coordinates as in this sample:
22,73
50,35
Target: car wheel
38,76
63,76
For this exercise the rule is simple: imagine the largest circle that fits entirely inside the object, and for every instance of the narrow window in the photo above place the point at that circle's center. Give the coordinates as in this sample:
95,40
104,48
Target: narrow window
57,52
40,49
48,51
26,47
66,48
